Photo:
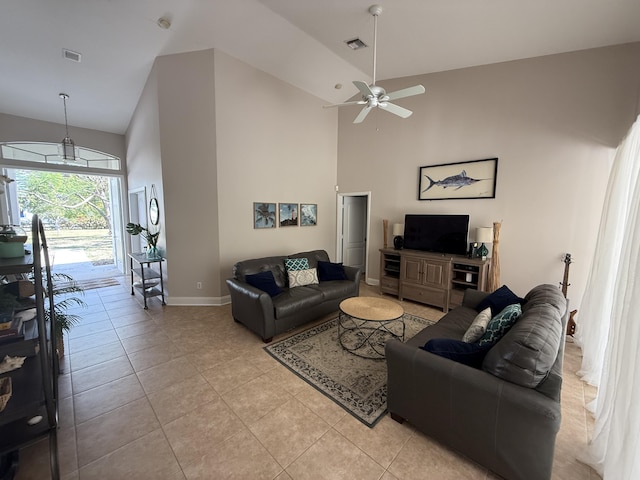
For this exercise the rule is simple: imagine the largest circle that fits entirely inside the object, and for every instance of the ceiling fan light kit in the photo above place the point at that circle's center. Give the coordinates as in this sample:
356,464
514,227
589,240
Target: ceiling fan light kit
374,96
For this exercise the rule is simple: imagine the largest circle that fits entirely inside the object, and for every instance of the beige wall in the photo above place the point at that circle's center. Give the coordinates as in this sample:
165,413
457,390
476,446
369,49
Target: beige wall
275,144
172,145
554,123
223,135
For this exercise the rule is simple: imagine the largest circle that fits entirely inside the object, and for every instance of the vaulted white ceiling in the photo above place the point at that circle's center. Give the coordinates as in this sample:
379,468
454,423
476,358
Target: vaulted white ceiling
299,41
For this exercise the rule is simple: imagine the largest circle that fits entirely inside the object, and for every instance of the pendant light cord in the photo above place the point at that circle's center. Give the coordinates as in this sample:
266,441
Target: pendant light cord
64,102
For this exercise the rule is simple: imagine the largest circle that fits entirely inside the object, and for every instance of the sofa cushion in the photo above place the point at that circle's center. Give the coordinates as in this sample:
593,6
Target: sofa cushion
498,300
528,351
335,289
470,354
478,327
265,282
300,278
500,324
292,300
296,264
328,271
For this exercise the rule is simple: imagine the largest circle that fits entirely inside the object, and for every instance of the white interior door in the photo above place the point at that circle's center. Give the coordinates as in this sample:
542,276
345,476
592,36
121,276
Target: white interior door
354,231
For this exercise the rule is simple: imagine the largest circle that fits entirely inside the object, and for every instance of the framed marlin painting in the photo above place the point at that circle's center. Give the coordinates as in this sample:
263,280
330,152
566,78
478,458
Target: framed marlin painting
472,179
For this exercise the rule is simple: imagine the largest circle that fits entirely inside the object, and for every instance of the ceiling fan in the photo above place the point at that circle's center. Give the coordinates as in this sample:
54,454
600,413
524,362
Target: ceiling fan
374,96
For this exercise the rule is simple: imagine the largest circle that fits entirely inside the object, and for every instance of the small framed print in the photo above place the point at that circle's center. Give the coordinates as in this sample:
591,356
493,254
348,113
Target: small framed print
308,214
264,215
288,214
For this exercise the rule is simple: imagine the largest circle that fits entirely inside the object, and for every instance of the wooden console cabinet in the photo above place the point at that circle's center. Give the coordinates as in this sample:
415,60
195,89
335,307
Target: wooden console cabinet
430,278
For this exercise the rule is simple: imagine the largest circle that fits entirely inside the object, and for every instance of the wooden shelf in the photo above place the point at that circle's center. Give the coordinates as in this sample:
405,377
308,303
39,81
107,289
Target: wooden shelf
432,278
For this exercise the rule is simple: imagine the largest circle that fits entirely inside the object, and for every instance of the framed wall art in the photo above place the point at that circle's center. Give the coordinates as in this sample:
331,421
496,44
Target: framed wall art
264,215
288,214
308,214
472,179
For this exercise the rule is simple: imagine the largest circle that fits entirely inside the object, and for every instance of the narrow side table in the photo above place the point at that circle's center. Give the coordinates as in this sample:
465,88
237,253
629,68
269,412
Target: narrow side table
149,278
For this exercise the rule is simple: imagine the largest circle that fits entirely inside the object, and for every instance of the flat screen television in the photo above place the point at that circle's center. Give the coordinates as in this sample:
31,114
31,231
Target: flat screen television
437,233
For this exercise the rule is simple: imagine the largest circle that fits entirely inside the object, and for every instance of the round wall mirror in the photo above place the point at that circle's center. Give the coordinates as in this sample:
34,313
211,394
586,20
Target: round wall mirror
154,211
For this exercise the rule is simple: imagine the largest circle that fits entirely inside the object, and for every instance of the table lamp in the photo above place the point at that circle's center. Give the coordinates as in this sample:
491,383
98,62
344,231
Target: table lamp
398,232
484,235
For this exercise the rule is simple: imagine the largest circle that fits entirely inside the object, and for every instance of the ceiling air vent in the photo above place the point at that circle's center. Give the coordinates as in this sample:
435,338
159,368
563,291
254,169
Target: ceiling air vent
355,44
71,55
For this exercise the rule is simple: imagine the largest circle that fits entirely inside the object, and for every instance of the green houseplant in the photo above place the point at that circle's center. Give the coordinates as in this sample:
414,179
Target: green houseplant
151,238
64,289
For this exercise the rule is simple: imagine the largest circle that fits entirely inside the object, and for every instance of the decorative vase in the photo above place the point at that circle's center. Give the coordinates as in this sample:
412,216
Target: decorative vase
152,251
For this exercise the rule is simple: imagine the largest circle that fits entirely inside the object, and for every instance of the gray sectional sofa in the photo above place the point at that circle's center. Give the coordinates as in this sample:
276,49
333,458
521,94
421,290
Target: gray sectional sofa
268,316
505,415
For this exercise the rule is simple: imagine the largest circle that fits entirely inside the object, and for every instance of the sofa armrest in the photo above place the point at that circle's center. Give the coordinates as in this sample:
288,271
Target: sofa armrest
354,274
514,427
252,307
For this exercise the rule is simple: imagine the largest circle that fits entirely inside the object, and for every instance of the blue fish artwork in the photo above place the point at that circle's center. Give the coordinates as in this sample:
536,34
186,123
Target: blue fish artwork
459,181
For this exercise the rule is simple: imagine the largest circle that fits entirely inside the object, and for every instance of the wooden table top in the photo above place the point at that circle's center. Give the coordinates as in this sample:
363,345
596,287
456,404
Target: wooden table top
373,309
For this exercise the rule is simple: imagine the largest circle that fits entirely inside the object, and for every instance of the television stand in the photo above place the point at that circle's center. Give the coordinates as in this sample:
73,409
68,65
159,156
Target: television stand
431,278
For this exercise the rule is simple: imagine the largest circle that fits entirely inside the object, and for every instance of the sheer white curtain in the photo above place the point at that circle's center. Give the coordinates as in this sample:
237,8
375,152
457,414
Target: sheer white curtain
609,330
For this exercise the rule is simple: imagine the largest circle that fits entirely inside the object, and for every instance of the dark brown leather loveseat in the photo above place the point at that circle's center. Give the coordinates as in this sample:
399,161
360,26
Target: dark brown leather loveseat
269,316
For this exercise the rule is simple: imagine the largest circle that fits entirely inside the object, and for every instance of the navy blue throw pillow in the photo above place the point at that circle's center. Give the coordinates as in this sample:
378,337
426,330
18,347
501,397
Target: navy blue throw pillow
499,300
330,271
470,354
265,281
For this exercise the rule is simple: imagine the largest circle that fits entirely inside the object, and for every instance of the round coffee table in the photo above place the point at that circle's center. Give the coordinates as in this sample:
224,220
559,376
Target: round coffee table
366,323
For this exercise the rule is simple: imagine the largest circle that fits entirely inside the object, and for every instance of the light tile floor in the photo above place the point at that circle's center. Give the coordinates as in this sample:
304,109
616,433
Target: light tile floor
187,393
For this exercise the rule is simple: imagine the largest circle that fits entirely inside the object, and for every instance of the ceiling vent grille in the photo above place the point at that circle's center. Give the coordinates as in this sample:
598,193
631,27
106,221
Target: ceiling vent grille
71,55
355,44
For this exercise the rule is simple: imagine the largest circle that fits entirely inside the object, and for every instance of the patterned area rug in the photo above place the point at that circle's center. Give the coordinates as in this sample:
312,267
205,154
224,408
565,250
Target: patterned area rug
357,384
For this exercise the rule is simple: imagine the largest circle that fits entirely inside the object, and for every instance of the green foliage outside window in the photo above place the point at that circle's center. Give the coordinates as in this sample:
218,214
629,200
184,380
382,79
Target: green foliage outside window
66,200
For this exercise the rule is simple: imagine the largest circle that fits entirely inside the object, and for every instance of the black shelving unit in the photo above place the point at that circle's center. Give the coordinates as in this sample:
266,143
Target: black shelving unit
32,411
151,283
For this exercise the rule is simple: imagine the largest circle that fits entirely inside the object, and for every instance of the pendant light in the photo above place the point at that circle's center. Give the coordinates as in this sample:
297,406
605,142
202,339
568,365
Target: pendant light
68,147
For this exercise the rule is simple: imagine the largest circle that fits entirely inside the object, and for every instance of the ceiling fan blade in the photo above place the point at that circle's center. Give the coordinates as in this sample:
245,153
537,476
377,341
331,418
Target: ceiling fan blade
405,92
364,88
363,114
395,109
358,102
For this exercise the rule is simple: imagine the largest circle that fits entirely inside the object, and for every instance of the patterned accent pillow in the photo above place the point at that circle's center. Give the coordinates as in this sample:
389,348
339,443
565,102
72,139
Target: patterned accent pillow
478,327
300,278
296,264
500,324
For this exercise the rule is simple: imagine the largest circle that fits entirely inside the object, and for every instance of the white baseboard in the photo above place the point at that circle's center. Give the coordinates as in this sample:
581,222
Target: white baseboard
374,282
199,301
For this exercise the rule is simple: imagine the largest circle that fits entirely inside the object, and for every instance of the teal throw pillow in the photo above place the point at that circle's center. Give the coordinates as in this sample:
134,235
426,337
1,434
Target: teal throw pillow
500,324
295,264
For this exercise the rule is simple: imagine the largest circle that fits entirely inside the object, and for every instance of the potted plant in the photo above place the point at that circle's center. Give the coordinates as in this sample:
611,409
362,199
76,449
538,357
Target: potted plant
151,238
63,287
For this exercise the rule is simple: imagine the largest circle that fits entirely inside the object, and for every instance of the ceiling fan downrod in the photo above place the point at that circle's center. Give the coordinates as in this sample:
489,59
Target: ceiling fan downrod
375,10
